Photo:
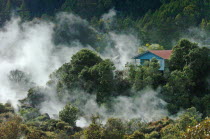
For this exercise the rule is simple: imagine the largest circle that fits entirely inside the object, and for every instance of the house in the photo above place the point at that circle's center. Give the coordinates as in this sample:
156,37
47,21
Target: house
161,55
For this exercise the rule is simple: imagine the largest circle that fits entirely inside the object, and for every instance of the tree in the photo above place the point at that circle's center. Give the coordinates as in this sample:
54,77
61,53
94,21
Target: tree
69,114
177,91
103,79
2,108
200,130
147,75
71,75
187,80
8,6
11,129
100,79
147,47
136,135
86,71
94,131
171,131
190,118
84,58
36,96
180,54
20,79
114,128
25,13
69,6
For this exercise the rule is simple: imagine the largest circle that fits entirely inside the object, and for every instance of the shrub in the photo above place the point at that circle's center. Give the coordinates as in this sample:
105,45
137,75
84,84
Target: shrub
114,128
69,114
94,131
11,129
135,135
200,131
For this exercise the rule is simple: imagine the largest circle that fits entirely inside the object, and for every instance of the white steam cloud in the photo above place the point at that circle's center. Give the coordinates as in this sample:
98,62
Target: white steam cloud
145,105
29,47
125,47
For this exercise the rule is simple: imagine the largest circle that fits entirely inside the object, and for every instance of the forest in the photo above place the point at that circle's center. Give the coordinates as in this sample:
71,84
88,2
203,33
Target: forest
67,70
155,21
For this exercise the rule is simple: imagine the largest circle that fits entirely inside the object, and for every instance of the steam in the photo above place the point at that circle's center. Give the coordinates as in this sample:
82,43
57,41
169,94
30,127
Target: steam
197,35
110,15
125,47
145,105
29,47
35,48
108,18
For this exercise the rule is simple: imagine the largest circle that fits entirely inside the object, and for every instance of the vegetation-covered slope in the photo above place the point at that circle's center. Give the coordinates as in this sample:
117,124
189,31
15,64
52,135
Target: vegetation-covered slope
184,86
154,21
90,85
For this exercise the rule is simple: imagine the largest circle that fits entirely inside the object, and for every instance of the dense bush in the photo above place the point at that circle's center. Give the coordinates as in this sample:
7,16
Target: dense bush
69,114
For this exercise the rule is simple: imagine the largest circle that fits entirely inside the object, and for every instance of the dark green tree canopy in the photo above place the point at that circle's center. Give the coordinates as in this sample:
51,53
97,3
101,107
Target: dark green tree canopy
69,114
84,58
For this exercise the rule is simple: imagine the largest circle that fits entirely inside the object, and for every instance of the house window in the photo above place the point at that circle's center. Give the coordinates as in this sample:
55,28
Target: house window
144,61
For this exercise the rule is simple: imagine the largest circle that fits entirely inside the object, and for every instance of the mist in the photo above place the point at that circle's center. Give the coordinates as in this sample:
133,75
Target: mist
28,46
31,48
144,105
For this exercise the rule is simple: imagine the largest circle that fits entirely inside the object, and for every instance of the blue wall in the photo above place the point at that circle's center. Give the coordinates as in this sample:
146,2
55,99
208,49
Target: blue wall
149,56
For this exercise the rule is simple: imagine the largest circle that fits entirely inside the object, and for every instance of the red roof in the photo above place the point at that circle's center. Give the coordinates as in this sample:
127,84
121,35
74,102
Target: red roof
165,54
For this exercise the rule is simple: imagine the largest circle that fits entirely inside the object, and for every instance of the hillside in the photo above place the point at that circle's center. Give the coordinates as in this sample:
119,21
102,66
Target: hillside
104,69
154,21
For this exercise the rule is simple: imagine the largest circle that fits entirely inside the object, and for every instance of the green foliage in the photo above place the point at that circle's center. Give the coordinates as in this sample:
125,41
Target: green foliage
179,57
190,118
94,131
25,14
69,74
177,87
11,129
173,18
200,130
148,75
114,129
187,81
206,104
84,58
136,135
158,21
87,71
69,114
171,131
2,108
8,6
36,134
29,113
134,125
69,5
43,117
150,47
52,125
35,96
153,135
101,77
